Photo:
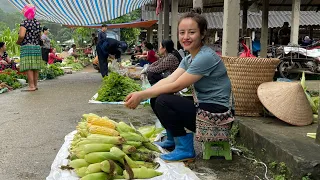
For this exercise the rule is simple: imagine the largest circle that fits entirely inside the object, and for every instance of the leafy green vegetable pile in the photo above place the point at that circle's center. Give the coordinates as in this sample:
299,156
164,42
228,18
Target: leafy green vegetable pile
115,88
70,62
52,71
10,77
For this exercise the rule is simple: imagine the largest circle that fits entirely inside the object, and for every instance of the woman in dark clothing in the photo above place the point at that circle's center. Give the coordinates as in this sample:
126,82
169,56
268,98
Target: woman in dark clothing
165,65
5,61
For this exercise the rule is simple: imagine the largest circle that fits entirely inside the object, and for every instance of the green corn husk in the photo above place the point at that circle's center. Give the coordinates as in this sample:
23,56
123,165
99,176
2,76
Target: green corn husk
147,157
118,177
312,104
78,163
81,172
147,131
130,162
142,173
136,144
151,147
97,176
98,138
143,149
89,148
130,136
98,157
123,127
109,166
93,168
117,152
128,149
152,165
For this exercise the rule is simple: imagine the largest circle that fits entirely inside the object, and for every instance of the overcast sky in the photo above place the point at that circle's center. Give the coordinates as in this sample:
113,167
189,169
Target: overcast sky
6,6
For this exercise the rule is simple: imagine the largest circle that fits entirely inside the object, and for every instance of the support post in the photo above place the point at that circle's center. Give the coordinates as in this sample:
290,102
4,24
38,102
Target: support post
197,4
150,35
174,22
166,25
264,30
294,36
160,28
245,18
231,25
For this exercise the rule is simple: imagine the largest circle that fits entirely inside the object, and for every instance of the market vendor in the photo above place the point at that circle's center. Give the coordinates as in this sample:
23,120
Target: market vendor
73,51
166,65
137,51
204,69
5,61
148,58
53,58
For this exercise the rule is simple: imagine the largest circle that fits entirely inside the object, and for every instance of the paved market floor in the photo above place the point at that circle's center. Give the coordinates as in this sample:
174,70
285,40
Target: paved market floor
33,126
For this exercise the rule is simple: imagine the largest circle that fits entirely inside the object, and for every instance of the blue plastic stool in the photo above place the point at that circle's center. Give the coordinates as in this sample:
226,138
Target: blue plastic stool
220,148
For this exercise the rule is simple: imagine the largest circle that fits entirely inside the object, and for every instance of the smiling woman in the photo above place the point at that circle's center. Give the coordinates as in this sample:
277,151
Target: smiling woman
203,69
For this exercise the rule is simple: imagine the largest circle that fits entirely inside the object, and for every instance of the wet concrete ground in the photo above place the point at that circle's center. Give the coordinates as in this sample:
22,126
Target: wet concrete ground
33,126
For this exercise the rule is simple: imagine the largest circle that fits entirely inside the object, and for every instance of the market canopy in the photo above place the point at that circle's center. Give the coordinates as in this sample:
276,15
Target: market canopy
80,12
139,24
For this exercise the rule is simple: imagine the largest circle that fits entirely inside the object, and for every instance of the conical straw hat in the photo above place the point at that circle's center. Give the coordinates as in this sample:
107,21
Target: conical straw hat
287,101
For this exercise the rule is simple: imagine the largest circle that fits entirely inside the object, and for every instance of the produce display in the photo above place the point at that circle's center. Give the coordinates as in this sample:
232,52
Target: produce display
104,149
10,78
72,62
115,88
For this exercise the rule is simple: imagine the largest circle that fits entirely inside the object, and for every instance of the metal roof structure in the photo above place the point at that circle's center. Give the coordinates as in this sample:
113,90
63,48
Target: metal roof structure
80,12
276,18
217,5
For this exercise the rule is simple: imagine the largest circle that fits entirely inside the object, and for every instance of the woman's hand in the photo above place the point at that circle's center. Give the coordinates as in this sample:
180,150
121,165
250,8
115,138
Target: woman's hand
133,100
3,62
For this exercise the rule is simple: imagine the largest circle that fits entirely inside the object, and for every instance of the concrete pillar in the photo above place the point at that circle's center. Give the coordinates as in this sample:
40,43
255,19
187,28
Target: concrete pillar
166,25
196,4
160,28
295,22
264,29
231,26
253,35
150,35
174,22
245,18
216,38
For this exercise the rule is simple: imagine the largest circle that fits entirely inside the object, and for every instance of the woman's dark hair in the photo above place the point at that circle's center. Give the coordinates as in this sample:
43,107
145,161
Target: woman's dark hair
73,45
201,21
149,46
2,44
168,44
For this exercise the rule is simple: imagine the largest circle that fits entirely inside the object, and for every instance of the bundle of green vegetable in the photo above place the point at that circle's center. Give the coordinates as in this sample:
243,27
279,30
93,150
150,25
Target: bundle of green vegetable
10,77
115,88
72,62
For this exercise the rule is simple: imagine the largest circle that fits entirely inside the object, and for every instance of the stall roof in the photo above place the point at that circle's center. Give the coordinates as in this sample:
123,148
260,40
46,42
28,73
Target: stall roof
276,18
80,12
139,24
217,5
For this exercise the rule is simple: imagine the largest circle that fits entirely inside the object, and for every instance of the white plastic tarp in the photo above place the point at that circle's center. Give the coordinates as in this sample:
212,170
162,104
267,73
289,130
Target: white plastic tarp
171,171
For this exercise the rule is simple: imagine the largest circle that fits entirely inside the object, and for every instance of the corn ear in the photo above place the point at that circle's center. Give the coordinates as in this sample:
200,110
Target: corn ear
102,122
130,136
97,157
78,163
117,152
130,162
89,148
118,177
142,173
151,147
147,157
93,168
136,144
143,149
123,127
97,176
128,149
81,172
106,139
93,129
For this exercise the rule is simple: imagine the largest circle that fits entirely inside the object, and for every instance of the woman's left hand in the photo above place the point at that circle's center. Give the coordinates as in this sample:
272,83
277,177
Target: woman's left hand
133,100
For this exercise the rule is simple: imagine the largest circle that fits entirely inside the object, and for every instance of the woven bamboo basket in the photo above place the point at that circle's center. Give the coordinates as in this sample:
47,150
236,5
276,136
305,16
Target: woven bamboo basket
246,74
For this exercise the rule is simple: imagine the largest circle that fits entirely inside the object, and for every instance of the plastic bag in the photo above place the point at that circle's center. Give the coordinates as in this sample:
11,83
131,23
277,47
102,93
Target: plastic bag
145,82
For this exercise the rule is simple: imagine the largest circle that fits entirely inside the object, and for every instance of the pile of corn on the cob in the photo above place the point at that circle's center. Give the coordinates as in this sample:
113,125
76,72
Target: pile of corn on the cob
103,149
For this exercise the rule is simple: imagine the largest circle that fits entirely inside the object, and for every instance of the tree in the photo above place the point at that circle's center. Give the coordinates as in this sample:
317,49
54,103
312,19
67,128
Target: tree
81,34
128,34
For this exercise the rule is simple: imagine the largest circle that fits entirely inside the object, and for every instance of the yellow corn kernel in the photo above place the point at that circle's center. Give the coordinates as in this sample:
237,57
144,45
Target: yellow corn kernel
102,122
93,129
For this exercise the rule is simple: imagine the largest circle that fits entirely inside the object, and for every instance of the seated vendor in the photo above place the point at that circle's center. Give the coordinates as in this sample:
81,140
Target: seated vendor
65,53
137,51
149,58
166,65
72,51
53,58
5,61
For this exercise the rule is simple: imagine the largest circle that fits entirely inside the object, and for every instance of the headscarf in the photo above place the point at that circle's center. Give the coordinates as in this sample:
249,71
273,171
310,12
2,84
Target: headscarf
29,11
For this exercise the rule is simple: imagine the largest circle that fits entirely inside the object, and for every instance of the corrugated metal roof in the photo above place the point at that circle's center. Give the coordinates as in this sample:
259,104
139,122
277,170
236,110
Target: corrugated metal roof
217,5
80,12
276,18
